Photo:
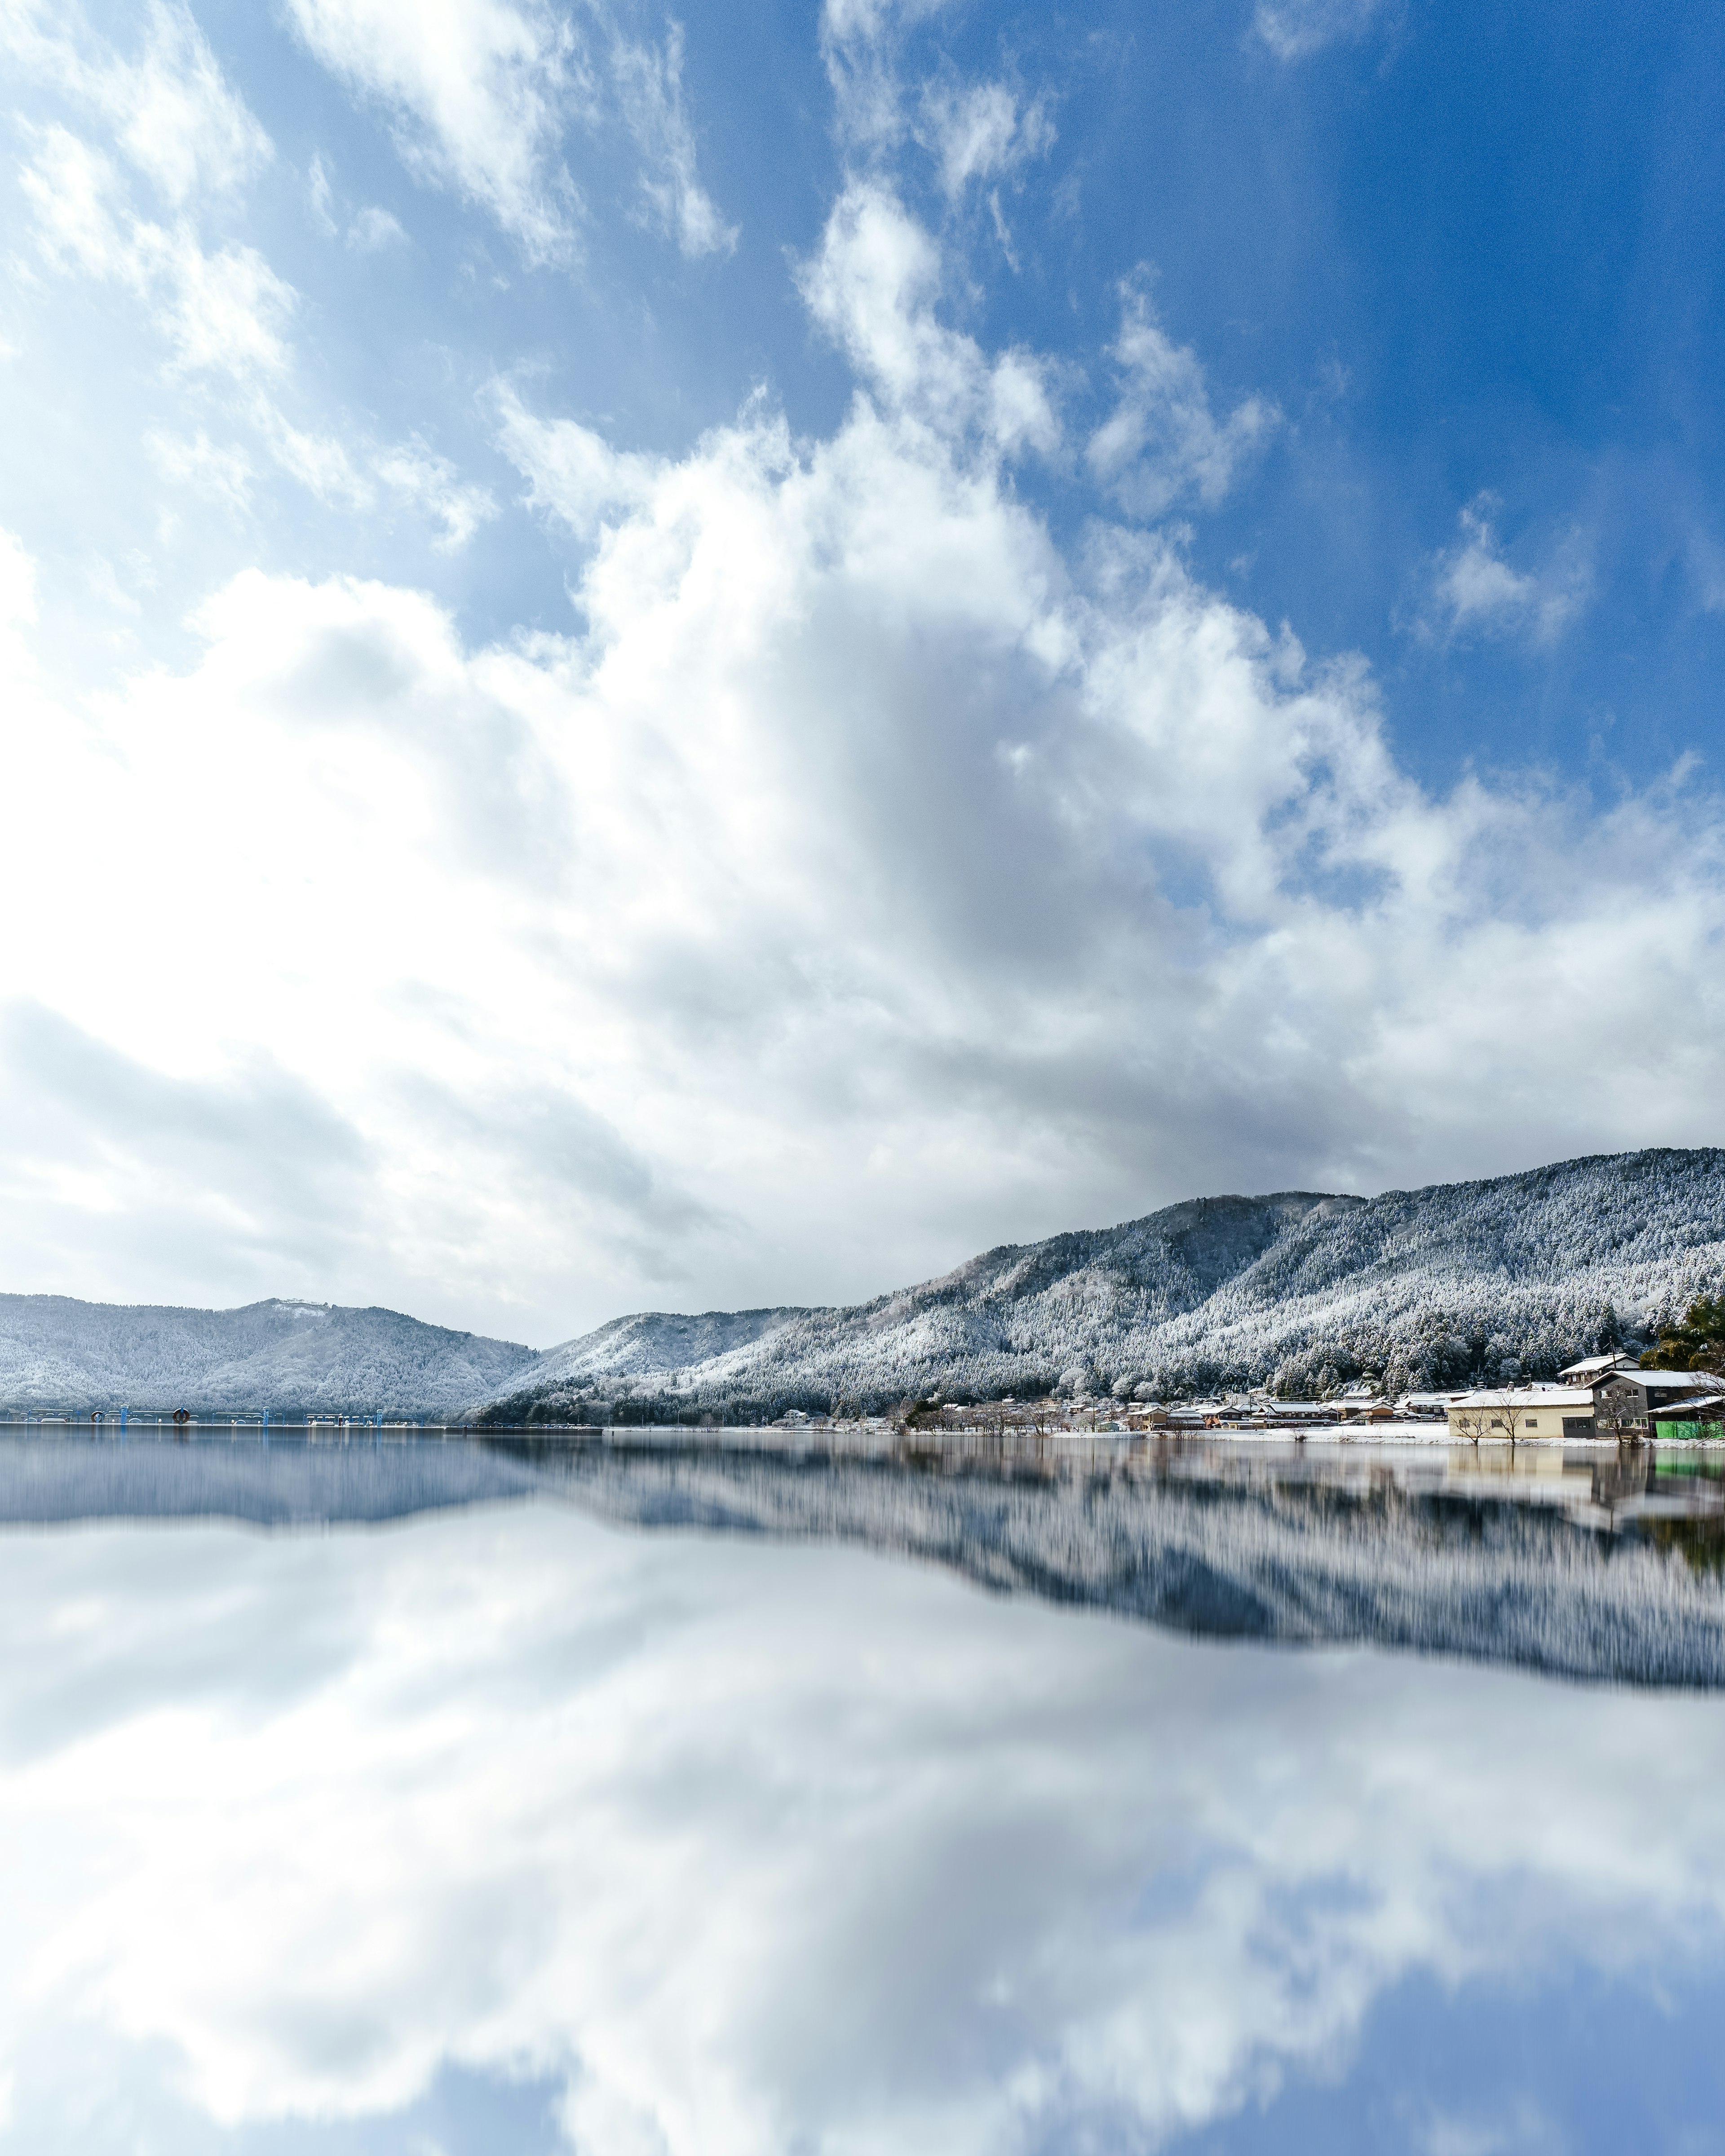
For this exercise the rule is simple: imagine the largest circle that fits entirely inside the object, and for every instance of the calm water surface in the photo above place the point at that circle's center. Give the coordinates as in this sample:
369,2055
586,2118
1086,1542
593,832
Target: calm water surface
443,1799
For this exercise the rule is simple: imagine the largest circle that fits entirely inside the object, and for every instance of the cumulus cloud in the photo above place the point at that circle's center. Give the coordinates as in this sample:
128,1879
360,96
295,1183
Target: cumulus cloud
1163,441
250,1167
1474,590
874,286
859,852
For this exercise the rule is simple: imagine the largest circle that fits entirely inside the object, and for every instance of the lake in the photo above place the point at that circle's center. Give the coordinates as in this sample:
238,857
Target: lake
648,1798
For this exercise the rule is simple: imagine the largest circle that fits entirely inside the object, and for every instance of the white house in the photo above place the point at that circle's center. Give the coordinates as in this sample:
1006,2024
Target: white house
1621,1397
1591,1369
1516,1412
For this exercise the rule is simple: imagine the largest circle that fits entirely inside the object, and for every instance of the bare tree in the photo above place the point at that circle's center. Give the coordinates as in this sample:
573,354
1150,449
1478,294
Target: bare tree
1495,1415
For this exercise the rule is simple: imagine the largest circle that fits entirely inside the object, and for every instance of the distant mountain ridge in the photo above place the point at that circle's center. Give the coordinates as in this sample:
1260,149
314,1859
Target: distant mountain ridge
1457,1282
58,1355
1204,1550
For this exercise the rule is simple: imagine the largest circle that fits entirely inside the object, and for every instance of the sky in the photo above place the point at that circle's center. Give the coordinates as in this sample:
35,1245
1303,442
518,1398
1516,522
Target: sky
707,660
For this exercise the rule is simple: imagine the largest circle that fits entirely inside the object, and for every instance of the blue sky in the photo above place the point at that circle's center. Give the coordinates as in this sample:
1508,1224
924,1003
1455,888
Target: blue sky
714,660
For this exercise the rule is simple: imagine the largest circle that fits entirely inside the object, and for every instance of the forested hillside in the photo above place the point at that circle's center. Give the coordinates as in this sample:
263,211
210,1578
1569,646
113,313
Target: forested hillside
1458,1282
1203,1550
60,1355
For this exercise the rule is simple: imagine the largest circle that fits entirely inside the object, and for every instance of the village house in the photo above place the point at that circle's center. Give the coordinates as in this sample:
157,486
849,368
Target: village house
1606,1395
1591,1369
1524,1411
1696,1416
1628,1397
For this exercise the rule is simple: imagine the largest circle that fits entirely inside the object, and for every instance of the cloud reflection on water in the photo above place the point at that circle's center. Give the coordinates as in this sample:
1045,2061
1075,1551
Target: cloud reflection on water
745,1847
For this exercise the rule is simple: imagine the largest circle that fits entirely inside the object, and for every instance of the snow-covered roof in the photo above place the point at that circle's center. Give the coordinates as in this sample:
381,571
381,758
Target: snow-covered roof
1529,1396
1668,1381
1703,1404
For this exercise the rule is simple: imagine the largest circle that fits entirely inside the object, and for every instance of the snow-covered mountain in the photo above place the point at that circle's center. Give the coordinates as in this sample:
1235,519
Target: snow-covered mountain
1439,1286
61,1356
1303,1561
1203,1545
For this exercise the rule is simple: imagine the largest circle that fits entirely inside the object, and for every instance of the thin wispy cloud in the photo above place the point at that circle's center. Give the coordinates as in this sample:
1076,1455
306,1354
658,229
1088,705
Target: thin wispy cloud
1294,29
175,117
486,97
1475,591
984,132
479,94
1163,441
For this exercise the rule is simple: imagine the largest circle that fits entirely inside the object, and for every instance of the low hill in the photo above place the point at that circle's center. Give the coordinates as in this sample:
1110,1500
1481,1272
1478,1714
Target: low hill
1452,1284
61,1356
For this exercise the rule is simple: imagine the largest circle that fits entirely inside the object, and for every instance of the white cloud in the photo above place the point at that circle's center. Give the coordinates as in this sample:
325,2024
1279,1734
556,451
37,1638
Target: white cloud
982,132
864,854
1295,28
650,81
573,474
219,471
178,117
860,851
485,91
321,463
321,196
480,90
1163,441
860,42
69,187
874,286
18,581
374,229
221,312
175,116
348,475
1474,590
431,481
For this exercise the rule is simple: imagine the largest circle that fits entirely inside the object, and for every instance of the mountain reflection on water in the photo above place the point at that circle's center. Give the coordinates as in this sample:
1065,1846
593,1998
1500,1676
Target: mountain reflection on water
506,1834
1590,1564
